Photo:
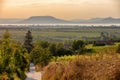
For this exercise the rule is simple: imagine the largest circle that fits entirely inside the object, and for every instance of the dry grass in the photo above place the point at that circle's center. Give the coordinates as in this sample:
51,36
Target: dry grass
96,67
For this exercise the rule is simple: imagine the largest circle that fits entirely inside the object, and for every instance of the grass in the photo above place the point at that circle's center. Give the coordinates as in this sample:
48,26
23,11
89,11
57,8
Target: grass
97,50
84,67
63,58
103,49
103,64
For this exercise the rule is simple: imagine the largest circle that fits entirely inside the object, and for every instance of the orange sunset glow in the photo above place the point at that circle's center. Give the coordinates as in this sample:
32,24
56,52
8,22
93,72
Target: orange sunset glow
64,9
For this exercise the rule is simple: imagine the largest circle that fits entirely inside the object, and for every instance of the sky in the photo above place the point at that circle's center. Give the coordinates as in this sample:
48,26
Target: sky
64,9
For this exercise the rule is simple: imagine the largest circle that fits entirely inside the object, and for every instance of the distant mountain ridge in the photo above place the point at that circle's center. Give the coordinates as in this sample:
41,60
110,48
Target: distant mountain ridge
43,19
99,20
53,20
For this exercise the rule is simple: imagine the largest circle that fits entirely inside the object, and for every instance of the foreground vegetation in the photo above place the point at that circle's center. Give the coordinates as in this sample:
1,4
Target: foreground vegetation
70,60
14,59
84,67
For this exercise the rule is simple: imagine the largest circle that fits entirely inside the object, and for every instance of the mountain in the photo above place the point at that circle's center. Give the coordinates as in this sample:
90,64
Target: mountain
99,20
53,20
111,20
43,20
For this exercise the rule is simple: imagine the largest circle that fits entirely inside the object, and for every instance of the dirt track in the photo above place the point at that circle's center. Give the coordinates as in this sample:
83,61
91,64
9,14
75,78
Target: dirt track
32,75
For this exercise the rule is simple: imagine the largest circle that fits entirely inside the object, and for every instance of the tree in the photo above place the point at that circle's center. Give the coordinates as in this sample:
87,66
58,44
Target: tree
28,42
14,60
78,46
53,49
59,50
40,56
43,44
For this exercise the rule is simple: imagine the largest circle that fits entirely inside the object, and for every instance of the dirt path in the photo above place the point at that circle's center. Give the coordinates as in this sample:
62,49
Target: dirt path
32,75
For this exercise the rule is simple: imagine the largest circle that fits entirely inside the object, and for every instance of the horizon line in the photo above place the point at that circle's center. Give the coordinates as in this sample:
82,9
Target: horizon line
55,17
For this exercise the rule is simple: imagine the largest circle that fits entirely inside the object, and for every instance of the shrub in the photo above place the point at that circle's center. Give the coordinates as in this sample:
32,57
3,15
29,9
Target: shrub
78,46
56,71
118,49
43,44
96,67
59,50
14,60
40,56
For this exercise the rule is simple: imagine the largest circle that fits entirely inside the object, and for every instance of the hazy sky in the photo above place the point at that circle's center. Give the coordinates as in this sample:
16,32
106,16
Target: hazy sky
65,9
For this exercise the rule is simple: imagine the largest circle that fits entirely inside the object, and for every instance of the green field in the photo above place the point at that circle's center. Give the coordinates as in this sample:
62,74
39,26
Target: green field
62,34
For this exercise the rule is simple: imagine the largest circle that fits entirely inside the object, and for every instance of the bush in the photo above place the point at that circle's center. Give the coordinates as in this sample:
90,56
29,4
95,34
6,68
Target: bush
56,70
59,50
40,56
118,49
78,46
14,60
43,44
97,67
